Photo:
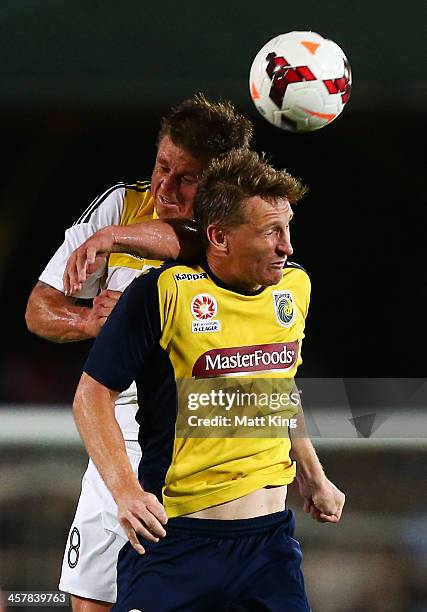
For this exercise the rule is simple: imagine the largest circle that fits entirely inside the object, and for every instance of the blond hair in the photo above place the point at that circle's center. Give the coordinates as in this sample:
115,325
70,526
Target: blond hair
229,181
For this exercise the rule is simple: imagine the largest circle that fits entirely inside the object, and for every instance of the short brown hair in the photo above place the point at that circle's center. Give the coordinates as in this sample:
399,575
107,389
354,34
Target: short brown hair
205,128
229,181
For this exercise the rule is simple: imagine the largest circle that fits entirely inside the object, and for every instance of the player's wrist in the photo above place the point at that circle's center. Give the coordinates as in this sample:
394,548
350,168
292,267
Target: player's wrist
126,495
85,324
311,476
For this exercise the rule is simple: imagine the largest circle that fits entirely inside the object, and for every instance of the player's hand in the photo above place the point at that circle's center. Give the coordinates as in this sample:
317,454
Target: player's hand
102,306
142,515
86,259
324,502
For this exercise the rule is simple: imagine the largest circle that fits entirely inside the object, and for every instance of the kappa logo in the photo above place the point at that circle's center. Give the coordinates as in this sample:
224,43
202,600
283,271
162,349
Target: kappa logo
190,277
284,307
203,308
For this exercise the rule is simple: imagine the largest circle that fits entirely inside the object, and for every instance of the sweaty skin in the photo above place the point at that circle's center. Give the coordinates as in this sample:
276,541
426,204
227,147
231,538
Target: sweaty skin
161,240
174,181
257,250
322,499
139,512
53,316
250,256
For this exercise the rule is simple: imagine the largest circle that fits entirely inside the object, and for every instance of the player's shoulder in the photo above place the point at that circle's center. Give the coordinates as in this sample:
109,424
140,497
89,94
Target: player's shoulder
292,265
294,274
178,274
138,203
122,203
171,274
107,197
294,269
137,186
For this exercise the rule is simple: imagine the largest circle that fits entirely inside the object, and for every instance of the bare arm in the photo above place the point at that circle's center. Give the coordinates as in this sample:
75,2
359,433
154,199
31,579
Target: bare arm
322,499
139,512
55,317
159,240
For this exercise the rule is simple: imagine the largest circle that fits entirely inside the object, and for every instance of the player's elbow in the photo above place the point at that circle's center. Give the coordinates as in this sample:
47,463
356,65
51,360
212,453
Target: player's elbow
76,408
188,244
36,325
42,315
32,318
35,319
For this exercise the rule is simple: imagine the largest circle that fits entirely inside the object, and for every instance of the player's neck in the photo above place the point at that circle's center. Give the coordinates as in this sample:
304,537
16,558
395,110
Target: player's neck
221,269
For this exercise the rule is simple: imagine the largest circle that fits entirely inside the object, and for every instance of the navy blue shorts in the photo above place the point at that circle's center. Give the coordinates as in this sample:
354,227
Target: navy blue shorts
205,565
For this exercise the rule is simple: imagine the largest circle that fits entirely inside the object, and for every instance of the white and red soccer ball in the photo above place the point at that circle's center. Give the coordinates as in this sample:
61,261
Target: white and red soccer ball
300,81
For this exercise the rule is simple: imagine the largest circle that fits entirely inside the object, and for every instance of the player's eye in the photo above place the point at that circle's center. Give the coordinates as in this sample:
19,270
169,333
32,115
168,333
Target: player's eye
189,180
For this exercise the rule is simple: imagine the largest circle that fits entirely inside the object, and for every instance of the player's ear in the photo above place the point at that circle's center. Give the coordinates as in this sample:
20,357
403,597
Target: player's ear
217,237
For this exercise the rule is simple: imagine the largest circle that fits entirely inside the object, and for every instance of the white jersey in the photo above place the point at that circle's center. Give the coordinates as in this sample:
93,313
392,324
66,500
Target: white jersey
122,204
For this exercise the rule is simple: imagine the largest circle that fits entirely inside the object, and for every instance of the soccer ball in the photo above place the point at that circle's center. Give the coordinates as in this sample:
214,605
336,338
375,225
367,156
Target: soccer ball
300,81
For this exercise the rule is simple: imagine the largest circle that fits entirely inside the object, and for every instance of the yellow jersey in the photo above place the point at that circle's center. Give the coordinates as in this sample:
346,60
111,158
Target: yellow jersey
178,331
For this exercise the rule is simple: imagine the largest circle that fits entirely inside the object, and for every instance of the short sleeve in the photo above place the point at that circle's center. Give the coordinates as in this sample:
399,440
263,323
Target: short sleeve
129,336
105,210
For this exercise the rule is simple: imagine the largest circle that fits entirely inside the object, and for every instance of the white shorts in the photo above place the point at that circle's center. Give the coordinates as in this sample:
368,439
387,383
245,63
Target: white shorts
89,567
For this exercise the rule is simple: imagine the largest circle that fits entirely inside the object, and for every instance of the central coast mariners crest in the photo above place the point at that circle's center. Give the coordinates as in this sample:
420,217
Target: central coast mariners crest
284,307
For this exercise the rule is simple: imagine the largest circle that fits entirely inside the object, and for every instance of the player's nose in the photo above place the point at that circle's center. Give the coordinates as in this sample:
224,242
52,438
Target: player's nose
284,247
168,183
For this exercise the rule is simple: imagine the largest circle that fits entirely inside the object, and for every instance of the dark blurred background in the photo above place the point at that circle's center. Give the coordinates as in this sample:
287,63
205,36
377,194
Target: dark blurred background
83,90
83,87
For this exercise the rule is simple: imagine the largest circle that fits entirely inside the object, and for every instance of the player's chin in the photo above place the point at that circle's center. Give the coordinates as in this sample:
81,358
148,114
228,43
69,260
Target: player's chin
168,211
273,276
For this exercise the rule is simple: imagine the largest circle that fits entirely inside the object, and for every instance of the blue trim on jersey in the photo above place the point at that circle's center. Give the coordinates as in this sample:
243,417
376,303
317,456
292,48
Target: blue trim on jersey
292,264
220,283
156,417
127,349
204,264
130,334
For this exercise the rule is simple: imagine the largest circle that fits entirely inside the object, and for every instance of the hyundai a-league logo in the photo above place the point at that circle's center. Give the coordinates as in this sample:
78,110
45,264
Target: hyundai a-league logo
284,307
203,308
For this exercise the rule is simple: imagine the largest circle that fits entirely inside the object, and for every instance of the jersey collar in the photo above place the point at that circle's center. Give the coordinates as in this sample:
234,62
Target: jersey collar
204,264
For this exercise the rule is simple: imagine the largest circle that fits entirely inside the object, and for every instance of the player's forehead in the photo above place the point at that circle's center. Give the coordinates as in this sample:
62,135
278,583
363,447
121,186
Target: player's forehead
261,210
179,158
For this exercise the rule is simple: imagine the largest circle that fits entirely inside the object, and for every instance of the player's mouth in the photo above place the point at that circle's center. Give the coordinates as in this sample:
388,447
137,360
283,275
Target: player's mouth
167,204
278,265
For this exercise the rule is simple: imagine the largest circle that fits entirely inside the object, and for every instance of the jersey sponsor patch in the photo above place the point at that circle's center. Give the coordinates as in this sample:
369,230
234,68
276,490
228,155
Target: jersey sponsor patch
280,356
203,308
284,307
